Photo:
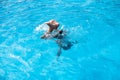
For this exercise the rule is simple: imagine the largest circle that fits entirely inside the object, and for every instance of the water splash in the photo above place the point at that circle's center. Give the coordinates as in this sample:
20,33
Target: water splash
42,27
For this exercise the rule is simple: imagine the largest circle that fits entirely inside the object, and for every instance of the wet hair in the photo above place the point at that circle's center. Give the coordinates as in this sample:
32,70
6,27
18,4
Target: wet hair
61,31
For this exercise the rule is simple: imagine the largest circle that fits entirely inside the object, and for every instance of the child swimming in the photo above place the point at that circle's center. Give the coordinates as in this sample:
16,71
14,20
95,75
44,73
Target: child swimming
59,35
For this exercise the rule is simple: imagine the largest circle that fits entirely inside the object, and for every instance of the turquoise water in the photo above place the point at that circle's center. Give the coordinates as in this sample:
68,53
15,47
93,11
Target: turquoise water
95,24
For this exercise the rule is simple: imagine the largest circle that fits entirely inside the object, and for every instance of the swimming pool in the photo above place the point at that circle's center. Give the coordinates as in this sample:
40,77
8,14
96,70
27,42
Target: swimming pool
94,24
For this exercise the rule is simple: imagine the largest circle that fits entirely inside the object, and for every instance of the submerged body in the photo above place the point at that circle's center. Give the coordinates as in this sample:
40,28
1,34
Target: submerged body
62,42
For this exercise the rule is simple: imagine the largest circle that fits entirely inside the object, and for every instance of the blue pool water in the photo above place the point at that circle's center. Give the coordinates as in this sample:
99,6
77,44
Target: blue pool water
95,24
